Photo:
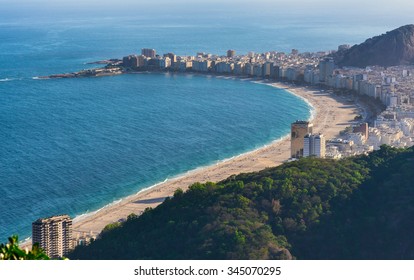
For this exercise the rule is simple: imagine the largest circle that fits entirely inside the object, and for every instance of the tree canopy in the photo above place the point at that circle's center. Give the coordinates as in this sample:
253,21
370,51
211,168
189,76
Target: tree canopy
12,251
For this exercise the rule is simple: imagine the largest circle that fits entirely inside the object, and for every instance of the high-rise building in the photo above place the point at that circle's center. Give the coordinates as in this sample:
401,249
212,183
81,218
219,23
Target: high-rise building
133,61
299,129
314,145
172,56
319,146
307,146
231,53
326,68
164,62
267,67
148,52
54,235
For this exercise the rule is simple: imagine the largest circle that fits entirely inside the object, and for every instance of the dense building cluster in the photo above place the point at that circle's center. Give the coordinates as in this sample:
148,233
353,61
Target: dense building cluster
272,65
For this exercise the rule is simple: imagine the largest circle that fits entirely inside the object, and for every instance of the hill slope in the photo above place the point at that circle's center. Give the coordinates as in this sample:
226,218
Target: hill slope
395,47
356,208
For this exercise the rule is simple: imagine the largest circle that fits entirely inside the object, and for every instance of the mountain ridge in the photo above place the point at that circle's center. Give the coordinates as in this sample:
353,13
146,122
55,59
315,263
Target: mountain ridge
395,47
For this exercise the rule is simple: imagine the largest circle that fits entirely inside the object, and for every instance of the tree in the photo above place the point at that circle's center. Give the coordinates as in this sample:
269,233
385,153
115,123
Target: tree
12,251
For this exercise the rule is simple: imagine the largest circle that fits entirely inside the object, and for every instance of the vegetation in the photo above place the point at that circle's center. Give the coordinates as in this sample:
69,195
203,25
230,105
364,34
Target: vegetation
11,251
355,208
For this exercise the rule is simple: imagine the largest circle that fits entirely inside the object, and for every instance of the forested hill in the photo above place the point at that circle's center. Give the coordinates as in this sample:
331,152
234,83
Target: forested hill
355,208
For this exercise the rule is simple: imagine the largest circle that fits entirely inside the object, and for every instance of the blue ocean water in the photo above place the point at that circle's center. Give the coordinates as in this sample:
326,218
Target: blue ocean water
74,145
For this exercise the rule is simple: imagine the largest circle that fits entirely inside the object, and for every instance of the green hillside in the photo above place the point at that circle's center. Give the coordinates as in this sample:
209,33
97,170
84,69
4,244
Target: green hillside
355,208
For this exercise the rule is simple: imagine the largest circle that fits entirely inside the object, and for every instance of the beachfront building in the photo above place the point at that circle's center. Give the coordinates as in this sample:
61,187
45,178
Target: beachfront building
54,235
248,69
326,68
201,65
239,68
165,63
148,52
299,130
267,69
185,65
314,145
172,57
258,70
133,61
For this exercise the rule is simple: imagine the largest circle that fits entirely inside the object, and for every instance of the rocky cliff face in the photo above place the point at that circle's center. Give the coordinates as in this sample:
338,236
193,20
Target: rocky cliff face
395,47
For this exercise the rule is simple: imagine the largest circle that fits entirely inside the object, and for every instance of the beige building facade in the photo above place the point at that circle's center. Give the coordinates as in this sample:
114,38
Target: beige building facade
299,130
54,235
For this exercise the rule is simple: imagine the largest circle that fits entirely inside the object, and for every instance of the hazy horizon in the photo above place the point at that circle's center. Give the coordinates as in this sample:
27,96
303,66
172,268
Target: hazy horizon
399,13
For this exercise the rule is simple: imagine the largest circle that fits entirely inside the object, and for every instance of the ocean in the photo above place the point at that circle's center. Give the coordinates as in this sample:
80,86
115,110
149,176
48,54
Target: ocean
75,145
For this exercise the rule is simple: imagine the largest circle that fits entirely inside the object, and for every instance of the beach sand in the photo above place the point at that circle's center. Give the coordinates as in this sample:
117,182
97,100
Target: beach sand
332,114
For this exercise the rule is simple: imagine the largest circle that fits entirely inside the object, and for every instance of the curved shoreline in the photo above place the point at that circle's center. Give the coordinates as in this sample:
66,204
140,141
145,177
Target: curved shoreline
330,117
180,176
328,114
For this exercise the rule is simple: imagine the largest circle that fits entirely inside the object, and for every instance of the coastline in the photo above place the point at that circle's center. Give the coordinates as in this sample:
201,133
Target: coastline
328,113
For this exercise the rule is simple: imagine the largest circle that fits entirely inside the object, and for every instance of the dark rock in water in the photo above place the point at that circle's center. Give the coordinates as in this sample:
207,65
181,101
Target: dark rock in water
395,47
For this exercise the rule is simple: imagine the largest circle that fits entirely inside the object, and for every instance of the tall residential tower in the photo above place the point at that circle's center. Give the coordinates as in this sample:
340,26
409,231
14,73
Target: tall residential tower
314,145
54,235
299,130
231,53
148,52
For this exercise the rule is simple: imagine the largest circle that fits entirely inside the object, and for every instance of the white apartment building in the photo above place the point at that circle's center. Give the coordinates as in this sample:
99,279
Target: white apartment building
314,145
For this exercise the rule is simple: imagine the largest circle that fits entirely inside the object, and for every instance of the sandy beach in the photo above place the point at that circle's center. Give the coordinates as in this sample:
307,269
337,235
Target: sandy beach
332,114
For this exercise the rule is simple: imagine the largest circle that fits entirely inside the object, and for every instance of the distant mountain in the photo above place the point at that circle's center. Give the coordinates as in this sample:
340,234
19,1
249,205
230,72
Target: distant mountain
395,47
354,208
